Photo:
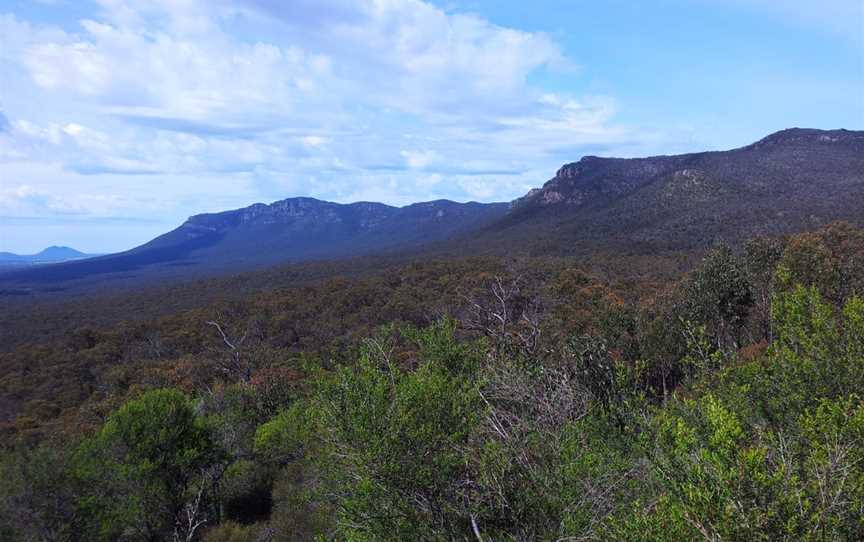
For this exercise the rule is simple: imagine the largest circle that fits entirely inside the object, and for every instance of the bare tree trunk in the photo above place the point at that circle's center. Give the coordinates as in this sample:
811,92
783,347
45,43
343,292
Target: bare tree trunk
476,528
235,366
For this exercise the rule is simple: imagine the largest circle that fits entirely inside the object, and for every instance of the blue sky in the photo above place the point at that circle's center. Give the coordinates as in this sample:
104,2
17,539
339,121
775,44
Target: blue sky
118,119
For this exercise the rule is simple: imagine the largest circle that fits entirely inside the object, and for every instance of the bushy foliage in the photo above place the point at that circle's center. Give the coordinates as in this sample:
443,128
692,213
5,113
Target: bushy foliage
773,451
390,441
38,491
718,296
149,466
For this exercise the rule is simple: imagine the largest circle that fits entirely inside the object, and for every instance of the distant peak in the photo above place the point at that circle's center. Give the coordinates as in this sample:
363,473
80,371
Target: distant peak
55,249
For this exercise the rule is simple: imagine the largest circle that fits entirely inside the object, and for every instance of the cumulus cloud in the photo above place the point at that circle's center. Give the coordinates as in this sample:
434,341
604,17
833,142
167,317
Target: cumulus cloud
419,159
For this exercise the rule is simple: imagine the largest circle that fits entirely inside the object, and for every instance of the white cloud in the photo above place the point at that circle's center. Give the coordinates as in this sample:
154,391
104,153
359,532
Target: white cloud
18,196
25,200
419,159
313,140
159,74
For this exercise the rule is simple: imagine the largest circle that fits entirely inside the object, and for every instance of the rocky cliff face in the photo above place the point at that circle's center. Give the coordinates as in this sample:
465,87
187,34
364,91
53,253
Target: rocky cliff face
593,179
290,210
362,217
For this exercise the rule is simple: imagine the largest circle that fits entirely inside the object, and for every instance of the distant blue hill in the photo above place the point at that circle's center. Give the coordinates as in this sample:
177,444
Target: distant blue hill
52,254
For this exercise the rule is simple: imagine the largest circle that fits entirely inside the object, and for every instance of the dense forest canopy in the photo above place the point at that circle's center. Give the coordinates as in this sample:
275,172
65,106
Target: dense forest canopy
456,399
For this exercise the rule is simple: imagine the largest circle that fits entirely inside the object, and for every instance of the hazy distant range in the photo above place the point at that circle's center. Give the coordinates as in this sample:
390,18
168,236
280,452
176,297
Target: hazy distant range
53,254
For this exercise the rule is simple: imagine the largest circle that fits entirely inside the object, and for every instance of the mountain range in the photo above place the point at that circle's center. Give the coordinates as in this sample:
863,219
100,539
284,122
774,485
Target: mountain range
790,181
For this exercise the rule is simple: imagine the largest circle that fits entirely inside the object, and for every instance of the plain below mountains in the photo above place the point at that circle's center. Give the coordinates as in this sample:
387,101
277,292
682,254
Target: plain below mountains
790,181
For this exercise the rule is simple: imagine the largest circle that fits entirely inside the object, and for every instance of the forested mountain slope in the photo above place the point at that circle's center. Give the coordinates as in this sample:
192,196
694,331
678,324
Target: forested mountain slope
790,181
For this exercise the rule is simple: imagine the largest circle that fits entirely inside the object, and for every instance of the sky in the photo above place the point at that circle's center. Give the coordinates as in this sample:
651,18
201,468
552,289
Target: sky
118,119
